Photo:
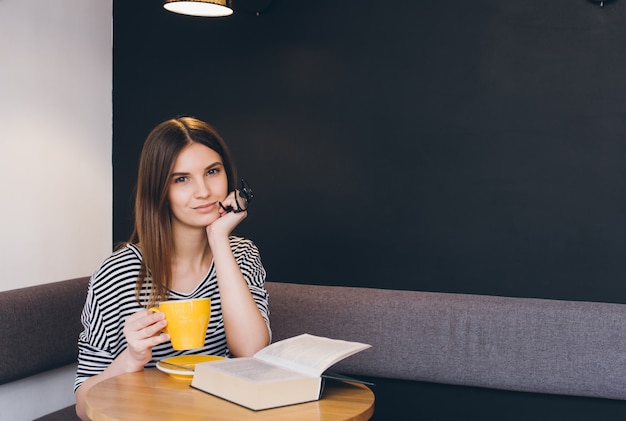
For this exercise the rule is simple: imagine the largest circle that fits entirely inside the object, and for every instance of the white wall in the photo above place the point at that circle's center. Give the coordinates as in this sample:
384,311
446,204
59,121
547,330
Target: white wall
55,139
55,161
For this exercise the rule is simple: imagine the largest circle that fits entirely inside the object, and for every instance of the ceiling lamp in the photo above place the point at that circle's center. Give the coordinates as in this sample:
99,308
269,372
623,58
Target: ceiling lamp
211,8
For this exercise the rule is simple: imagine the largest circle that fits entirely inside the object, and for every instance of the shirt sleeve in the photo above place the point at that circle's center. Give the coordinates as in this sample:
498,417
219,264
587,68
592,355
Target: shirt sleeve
110,300
249,260
94,354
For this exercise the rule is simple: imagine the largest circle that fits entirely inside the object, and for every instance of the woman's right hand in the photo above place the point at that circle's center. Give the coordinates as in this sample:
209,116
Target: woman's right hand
143,331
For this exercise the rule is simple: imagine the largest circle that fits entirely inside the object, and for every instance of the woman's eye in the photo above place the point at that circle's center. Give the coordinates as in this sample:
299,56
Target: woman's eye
180,179
212,171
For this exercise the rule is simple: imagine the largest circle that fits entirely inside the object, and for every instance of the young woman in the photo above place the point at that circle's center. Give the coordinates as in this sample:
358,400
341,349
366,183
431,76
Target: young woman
181,248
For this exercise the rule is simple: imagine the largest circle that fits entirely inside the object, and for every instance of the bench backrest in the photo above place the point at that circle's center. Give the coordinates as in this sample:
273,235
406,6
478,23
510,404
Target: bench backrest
523,344
40,327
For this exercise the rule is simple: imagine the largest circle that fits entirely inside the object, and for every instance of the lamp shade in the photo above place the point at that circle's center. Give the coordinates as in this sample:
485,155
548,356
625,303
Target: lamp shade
212,8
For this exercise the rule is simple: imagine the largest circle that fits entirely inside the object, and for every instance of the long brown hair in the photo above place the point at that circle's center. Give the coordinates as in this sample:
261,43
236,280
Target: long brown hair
153,223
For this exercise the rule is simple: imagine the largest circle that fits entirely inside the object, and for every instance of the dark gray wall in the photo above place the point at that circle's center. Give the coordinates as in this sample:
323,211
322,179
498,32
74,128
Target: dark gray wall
446,146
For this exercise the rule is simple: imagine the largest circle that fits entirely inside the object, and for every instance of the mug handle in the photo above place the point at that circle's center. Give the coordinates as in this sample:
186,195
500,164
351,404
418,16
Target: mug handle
157,310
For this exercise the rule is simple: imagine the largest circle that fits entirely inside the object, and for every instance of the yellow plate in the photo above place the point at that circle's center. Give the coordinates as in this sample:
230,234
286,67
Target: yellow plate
183,365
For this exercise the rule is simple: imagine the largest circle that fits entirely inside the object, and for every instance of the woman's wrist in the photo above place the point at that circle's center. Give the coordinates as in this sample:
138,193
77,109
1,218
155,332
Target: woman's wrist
130,364
217,239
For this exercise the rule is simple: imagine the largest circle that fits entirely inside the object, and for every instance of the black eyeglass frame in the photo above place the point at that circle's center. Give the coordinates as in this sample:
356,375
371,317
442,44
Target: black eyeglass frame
245,191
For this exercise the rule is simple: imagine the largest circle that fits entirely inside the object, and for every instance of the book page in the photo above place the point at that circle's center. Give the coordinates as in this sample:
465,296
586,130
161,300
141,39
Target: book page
309,354
255,370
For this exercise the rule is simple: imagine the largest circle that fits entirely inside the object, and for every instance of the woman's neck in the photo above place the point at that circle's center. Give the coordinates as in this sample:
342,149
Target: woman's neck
191,261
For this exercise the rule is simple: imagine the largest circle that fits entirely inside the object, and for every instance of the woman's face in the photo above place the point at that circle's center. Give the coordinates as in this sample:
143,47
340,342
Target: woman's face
198,182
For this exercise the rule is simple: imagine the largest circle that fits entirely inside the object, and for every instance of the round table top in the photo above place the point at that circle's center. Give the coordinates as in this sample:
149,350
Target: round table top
151,394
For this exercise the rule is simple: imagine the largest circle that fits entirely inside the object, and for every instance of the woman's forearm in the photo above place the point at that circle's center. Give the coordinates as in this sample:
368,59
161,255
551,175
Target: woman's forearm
246,330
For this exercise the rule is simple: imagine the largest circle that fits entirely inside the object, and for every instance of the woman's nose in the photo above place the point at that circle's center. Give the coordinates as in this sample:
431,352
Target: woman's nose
201,189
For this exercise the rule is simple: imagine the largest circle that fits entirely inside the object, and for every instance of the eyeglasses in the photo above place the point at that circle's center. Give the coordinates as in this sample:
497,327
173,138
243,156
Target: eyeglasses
246,194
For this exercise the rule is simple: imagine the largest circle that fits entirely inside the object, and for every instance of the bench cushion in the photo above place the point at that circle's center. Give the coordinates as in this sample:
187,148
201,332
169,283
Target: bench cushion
65,414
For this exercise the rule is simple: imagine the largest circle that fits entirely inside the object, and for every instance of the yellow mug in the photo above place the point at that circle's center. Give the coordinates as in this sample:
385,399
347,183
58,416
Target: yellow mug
187,321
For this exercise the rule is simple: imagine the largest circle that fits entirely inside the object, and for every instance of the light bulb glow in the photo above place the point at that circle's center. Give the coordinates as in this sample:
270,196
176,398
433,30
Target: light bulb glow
198,8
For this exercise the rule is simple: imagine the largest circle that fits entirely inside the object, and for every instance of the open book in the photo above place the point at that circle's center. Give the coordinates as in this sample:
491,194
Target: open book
283,373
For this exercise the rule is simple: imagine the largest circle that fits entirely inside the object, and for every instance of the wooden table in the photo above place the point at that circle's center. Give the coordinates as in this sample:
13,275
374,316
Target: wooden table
153,395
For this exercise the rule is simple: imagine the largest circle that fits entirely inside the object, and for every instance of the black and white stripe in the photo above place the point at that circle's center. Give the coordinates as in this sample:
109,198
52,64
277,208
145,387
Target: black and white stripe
111,299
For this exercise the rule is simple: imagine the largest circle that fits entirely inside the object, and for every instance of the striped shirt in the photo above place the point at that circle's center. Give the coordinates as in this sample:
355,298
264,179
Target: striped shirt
111,299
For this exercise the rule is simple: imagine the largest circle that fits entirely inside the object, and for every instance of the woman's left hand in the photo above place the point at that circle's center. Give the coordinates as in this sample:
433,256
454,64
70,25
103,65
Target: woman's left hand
228,220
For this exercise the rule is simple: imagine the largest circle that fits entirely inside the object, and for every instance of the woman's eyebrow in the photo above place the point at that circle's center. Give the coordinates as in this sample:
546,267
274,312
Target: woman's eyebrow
215,164
208,167
179,174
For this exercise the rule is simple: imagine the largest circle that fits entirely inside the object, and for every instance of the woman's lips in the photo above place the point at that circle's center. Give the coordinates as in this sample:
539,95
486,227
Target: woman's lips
207,207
